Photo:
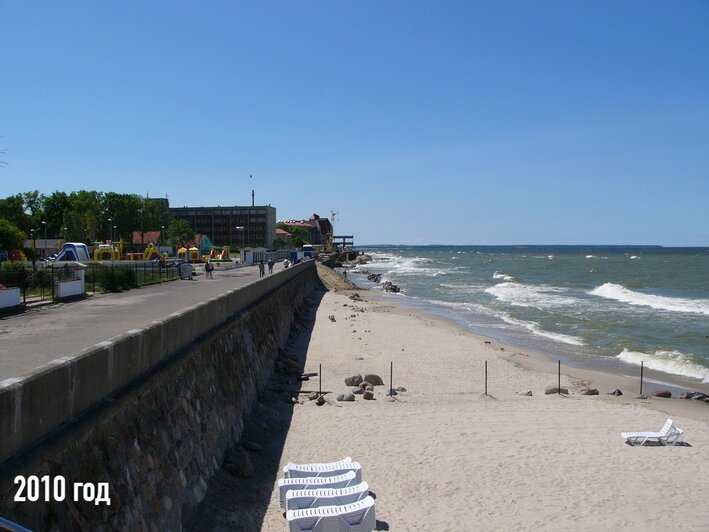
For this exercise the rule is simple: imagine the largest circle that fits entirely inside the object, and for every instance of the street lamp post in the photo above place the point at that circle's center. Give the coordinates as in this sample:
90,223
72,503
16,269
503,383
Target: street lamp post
162,237
240,229
44,252
113,247
110,230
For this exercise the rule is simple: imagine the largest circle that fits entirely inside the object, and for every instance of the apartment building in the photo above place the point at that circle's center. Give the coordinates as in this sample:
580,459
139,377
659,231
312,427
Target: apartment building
237,227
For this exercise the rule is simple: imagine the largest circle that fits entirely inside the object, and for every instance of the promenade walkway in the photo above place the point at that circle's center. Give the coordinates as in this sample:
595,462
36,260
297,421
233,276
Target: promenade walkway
42,334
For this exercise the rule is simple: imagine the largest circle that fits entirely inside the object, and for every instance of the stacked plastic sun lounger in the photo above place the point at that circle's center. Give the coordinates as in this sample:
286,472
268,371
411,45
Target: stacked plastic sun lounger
326,497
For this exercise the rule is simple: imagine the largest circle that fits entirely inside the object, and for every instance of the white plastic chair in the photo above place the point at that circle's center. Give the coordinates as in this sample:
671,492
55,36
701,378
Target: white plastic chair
304,483
301,499
323,470
315,467
355,517
667,435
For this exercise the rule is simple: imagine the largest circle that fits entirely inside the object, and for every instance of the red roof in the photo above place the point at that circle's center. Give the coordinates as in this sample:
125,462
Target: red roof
146,237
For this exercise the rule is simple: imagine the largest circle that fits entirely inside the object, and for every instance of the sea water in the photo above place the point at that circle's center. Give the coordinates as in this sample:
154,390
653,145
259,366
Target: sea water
605,307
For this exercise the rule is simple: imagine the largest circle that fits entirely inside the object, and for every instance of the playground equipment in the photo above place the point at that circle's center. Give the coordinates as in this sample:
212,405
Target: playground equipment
153,253
107,251
74,251
220,254
193,254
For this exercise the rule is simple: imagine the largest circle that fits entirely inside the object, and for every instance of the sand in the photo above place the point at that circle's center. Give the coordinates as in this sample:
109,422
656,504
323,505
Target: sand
444,456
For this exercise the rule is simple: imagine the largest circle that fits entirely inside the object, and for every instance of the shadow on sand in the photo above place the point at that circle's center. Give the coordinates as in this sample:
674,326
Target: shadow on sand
240,503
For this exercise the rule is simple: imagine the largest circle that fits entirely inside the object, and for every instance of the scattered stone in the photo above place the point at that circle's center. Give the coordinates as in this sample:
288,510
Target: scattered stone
615,392
354,380
356,297
348,396
374,277
528,393
401,389
320,401
365,384
555,389
357,390
666,394
312,396
699,396
388,286
374,380
359,358
368,395
589,391
641,396
488,342
332,317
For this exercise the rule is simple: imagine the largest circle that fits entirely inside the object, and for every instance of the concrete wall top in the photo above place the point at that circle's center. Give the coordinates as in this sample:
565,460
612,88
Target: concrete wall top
34,405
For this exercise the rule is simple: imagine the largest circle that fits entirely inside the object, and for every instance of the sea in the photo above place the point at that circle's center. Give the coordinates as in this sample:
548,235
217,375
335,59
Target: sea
604,307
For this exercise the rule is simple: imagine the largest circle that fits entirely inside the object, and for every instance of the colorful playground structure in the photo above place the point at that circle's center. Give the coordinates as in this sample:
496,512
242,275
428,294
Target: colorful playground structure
76,251
108,250
152,252
193,254
218,254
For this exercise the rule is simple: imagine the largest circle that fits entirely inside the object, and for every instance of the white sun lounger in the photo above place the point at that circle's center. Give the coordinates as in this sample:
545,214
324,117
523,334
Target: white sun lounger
312,467
356,517
667,435
305,483
323,470
301,499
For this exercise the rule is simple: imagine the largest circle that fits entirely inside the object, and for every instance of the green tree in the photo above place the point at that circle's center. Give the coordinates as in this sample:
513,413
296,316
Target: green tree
11,236
12,209
300,234
180,232
56,207
87,205
34,207
124,210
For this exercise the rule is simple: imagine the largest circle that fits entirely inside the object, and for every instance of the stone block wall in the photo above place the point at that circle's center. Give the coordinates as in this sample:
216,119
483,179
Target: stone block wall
158,438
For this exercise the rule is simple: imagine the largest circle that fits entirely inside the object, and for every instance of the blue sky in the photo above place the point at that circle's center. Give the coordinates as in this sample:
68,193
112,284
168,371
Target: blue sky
418,122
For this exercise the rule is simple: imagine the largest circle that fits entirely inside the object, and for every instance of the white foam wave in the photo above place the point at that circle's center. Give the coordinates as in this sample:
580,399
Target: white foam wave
523,295
590,256
673,304
501,275
633,257
535,328
673,362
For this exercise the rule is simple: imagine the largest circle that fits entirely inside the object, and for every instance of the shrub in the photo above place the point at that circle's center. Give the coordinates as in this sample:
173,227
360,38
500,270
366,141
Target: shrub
116,279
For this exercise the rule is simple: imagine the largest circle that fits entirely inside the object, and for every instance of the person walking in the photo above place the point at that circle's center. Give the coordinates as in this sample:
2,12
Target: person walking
209,268
261,269
270,266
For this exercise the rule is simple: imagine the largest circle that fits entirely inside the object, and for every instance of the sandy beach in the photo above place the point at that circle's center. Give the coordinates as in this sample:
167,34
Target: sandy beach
444,456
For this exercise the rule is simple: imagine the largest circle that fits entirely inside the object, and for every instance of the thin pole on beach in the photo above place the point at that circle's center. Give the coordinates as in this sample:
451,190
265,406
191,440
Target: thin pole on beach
391,379
320,378
486,377
558,381
641,377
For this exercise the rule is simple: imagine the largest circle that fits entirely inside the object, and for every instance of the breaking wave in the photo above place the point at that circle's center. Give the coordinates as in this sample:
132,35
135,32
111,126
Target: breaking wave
672,362
672,304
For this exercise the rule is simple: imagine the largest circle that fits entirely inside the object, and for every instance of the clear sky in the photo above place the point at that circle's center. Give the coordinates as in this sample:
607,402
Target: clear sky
450,122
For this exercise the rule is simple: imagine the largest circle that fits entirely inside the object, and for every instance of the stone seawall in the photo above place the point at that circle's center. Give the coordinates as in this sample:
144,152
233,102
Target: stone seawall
150,414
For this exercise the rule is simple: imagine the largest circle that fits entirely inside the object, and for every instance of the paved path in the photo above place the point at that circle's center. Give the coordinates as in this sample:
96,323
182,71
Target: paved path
42,334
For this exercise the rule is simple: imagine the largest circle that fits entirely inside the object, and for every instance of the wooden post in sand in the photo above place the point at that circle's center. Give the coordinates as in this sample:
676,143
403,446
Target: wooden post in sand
391,379
558,382
320,378
641,377
486,377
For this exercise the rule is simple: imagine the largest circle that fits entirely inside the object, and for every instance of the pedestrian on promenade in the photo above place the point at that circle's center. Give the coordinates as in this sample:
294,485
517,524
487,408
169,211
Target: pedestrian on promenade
261,269
270,266
209,268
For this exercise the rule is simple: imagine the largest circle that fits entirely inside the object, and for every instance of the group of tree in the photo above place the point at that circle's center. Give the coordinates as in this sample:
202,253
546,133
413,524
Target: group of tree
84,215
299,236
